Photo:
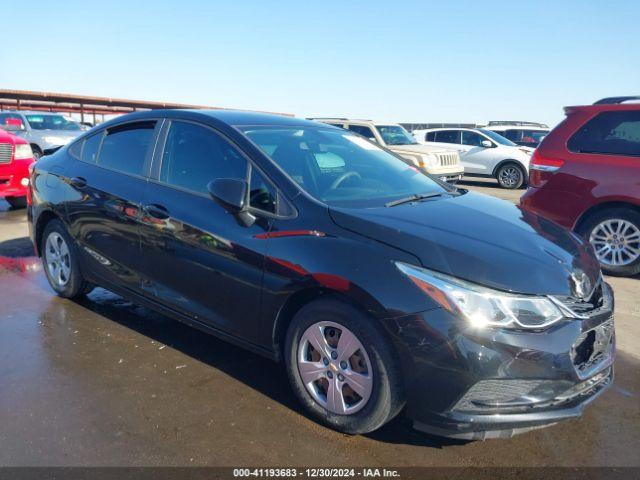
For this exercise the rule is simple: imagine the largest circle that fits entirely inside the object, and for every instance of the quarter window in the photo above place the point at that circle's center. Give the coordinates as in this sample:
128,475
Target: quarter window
195,155
90,148
125,147
262,195
609,133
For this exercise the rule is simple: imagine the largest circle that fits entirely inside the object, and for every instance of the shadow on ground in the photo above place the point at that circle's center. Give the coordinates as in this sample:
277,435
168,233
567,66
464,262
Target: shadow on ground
264,376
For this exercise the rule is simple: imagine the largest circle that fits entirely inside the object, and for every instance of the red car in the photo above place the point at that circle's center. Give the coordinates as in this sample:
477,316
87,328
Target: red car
585,175
15,159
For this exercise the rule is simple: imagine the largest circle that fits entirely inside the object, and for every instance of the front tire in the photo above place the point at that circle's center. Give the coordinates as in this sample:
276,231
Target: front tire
60,261
615,236
342,368
17,202
510,176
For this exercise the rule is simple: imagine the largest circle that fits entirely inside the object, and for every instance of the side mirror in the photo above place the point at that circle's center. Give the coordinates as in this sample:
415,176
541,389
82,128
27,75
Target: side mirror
231,194
487,144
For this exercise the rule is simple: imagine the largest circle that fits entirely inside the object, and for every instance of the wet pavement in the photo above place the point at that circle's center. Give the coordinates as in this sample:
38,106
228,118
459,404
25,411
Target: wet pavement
105,382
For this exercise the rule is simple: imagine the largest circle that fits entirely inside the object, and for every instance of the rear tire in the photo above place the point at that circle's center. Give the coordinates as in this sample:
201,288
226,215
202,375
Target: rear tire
17,202
372,368
510,176
615,236
60,261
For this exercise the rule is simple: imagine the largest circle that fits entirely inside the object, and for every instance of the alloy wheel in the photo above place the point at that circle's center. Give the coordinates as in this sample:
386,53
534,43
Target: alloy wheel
58,259
335,368
616,242
510,176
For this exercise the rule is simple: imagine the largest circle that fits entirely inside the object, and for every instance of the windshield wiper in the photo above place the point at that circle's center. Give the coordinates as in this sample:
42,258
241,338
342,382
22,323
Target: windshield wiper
412,198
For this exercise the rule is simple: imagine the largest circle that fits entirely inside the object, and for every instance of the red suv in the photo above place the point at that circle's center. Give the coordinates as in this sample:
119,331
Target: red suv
585,175
15,159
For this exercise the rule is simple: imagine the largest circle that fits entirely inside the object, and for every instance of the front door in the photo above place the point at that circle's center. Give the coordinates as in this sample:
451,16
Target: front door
475,157
197,258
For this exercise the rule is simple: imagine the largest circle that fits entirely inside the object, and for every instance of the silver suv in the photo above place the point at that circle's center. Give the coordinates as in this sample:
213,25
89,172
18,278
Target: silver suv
42,130
440,162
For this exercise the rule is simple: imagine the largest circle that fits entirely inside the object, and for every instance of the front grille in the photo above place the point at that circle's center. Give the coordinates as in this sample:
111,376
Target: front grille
448,159
593,349
597,303
6,151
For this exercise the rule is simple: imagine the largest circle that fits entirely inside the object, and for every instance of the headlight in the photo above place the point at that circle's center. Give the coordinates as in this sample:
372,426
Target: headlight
482,306
430,160
23,151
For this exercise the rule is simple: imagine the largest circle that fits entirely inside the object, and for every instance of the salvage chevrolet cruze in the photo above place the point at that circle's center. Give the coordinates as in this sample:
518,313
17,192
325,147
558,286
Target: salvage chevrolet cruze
380,288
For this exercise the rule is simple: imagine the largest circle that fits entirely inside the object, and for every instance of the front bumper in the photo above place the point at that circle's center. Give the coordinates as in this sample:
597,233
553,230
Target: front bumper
14,181
487,383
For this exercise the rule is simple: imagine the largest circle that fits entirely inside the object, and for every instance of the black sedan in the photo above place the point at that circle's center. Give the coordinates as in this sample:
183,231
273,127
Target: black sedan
379,287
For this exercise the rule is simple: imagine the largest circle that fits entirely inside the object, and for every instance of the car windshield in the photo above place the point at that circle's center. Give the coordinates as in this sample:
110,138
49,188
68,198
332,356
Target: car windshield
496,137
51,122
340,168
395,135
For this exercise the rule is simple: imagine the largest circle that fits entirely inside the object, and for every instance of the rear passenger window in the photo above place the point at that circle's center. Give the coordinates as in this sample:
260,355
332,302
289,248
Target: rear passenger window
90,148
431,137
125,147
609,133
513,135
448,136
195,155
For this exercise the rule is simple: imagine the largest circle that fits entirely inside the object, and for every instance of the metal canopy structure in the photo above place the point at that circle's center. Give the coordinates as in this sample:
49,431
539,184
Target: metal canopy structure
85,105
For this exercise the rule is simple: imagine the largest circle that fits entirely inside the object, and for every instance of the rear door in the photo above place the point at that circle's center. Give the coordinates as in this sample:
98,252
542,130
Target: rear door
197,258
107,184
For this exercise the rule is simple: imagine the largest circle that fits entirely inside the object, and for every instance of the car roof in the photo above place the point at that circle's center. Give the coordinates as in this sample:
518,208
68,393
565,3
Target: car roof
608,104
514,127
448,128
234,118
352,120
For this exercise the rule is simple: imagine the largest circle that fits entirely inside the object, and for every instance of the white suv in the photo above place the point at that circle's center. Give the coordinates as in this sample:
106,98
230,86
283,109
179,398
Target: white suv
440,162
528,134
483,153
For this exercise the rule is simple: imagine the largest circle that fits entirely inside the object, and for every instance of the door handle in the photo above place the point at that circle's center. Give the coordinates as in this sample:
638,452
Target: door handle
157,211
78,182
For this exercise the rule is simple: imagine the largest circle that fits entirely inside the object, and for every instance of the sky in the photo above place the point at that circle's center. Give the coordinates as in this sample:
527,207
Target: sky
400,61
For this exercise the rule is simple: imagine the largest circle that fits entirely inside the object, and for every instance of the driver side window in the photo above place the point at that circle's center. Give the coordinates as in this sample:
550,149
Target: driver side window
195,155
364,131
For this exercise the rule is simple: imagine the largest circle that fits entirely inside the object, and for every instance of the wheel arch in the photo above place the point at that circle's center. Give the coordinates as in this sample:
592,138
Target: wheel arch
43,219
599,207
510,160
299,299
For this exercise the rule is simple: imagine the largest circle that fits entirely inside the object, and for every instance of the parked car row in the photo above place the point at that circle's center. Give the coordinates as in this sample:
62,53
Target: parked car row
483,153
42,130
443,163
379,288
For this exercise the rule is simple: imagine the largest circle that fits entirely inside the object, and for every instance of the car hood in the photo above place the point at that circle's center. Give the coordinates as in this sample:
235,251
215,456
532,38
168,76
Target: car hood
481,239
417,149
